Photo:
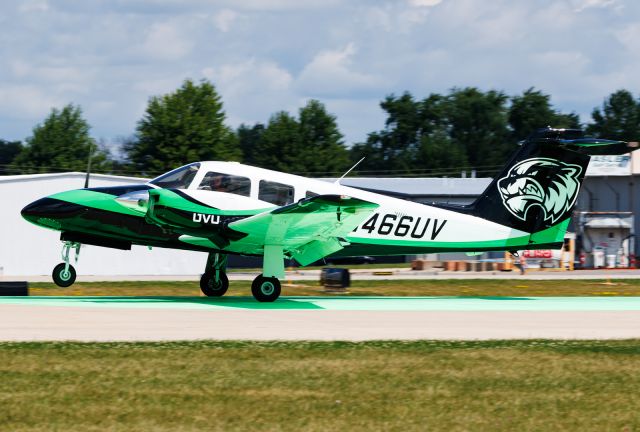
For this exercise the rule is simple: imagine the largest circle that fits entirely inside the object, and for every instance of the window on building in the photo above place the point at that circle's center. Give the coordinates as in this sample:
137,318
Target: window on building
179,178
275,193
219,182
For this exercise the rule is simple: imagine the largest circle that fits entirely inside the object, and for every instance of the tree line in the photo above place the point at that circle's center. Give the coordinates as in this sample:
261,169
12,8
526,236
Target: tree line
440,135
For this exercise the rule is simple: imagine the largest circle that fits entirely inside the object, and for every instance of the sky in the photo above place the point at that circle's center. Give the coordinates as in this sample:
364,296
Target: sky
264,56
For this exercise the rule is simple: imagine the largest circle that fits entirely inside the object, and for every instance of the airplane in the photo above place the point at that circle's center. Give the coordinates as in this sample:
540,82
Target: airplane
224,208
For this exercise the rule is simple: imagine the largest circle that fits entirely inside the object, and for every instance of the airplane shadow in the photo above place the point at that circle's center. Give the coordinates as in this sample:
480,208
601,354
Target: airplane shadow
227,302
283,303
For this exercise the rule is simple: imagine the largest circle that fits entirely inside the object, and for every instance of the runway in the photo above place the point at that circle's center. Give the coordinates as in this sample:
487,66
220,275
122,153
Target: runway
317,318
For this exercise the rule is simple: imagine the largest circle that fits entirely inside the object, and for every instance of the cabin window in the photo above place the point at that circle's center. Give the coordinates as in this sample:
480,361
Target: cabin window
310,194
219,182
275,193
179,178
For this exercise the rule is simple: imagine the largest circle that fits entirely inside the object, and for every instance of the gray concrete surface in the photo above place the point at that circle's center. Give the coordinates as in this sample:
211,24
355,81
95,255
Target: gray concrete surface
136,320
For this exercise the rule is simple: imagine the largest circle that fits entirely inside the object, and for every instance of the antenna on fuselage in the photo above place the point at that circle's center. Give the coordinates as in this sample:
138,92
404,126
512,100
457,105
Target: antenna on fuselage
350,169
86,179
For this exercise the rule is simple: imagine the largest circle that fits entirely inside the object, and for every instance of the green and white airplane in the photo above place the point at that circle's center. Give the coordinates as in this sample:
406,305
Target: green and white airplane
227,208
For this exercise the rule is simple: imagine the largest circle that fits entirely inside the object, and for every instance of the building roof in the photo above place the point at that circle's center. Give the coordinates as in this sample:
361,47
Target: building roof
609,222
433,186
414,187
73,174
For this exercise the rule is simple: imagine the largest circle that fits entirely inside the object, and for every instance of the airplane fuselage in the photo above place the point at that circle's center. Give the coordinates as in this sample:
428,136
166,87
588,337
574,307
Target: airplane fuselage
112,216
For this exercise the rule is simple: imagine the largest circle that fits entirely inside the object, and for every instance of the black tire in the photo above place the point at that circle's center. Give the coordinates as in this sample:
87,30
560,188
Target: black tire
265,289
212,288
61,278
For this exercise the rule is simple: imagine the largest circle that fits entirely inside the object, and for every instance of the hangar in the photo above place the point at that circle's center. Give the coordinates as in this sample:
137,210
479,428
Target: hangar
28,250
604,222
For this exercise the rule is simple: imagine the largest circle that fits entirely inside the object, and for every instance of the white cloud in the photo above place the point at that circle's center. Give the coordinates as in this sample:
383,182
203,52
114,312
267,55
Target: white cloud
252,89
331,72
249,74
279,5
268,55
424,3
224,19
580,5
165,41
26,101
29,6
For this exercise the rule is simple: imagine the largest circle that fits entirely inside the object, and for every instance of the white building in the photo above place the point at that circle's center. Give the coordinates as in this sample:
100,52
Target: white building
29,250
607,205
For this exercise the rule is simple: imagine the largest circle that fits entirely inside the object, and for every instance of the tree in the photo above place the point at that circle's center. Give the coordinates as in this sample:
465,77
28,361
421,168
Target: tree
440,132
619,118
248,139
61,143
280,145
437,152
394,147
478,124
180,127
323,149
310,144
532,110
8,152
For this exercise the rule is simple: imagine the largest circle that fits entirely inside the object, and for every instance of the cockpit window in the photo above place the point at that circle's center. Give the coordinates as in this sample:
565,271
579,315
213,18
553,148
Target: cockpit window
179,178
220,182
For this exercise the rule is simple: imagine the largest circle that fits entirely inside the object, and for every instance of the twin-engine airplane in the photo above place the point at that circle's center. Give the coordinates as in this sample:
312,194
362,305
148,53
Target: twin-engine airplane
228,208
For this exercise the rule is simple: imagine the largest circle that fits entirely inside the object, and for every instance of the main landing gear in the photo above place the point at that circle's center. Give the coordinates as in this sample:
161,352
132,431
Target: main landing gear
214,281
64,274
265,288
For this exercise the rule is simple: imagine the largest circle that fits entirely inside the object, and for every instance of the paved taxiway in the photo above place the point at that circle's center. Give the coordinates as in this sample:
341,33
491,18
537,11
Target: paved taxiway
317,318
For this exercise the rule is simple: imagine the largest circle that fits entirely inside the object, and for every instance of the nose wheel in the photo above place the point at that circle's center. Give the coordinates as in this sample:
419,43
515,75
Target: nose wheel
265,289
64,274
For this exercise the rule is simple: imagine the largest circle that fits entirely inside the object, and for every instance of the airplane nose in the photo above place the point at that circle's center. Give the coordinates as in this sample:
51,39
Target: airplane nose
35,209
49,208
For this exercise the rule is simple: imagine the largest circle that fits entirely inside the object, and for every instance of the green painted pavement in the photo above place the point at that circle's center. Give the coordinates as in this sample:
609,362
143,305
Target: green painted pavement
345,303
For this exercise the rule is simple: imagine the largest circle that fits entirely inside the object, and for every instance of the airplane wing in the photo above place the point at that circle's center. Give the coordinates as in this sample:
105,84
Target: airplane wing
309,229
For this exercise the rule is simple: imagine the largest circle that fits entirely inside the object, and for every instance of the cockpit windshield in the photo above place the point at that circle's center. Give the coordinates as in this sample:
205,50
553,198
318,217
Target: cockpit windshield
179,178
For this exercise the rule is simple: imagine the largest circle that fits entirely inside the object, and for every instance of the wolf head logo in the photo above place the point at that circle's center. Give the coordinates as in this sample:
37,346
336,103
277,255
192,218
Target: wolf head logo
545,183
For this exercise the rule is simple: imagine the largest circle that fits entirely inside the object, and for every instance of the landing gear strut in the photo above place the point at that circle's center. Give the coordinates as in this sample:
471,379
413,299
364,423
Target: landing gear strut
266,287
214,282
64,274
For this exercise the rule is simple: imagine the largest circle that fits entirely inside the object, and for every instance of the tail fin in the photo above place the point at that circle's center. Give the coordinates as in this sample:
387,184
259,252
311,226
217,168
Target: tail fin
539,185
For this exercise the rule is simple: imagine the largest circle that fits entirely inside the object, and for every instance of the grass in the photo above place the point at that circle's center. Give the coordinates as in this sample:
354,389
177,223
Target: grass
318,386
439,287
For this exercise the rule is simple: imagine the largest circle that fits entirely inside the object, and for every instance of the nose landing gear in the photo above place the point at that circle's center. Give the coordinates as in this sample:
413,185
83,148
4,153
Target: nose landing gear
64,274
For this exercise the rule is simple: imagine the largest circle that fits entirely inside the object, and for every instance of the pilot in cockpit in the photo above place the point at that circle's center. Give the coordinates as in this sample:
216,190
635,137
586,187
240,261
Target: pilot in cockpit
219,183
